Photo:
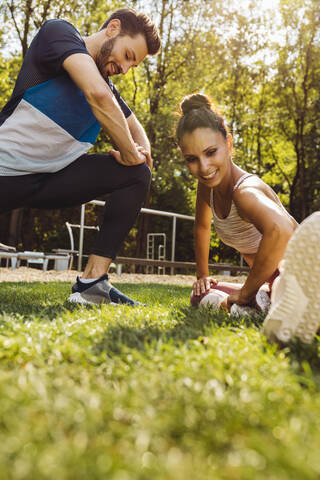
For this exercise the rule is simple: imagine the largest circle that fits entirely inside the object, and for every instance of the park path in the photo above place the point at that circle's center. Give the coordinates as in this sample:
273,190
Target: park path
24,274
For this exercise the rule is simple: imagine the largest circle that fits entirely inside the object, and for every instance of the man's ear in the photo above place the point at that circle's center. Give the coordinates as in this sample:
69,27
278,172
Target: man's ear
113,28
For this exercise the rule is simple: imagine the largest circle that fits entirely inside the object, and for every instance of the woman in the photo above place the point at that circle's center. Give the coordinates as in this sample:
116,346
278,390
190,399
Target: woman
247,214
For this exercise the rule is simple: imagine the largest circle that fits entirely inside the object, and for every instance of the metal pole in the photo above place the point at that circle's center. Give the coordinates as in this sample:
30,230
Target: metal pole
81,235
151,211
173,246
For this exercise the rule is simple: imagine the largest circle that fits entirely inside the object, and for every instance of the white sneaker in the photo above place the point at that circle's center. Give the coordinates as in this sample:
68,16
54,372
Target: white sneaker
295,298
213,299
262,301
242,310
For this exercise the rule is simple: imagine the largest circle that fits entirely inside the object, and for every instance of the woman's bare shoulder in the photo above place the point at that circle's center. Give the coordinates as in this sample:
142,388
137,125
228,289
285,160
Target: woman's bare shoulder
253,183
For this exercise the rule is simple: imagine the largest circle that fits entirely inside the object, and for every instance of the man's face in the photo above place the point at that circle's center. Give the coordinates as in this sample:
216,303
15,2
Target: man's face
120,53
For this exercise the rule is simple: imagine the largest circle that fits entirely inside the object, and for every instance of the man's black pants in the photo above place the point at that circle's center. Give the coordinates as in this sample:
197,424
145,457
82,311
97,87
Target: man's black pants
86,178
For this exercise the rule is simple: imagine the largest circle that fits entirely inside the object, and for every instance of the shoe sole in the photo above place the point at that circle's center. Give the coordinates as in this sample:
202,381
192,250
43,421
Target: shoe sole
290,318
78,298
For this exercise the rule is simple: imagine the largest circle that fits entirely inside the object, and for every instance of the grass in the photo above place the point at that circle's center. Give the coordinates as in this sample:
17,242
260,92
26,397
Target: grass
159,392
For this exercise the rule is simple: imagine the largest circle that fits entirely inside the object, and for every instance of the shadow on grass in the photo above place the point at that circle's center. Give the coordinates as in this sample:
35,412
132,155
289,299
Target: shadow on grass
35,299
305,359
190,324
49,300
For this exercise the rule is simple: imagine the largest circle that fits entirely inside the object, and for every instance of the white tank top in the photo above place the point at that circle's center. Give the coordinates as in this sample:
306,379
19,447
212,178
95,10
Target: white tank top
233,230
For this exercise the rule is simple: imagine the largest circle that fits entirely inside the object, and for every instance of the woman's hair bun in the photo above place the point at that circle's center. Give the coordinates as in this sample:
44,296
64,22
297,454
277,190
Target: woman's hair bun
197,111
195,101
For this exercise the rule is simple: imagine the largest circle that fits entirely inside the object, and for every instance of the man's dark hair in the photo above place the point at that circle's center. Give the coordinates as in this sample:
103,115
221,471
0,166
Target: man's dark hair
134,23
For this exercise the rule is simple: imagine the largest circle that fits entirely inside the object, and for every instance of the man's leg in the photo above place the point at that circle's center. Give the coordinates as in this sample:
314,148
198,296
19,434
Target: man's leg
85,179
17,190
295,297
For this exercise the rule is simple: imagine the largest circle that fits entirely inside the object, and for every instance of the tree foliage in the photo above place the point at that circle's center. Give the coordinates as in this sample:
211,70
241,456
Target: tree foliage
261,67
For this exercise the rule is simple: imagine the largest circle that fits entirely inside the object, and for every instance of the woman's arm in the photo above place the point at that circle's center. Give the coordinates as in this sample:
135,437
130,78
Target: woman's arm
202,233
276,227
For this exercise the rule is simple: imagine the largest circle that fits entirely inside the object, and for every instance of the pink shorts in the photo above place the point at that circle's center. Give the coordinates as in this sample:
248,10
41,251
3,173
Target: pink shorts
227,290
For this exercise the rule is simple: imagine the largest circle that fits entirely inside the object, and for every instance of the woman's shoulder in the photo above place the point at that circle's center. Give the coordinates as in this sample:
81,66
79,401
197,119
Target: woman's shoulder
254,192
253,183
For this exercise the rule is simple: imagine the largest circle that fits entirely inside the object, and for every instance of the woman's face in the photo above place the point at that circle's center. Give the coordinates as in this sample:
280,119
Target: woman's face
207,154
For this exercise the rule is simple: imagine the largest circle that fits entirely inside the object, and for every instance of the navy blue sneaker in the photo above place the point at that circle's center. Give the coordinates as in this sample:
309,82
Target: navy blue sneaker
98,291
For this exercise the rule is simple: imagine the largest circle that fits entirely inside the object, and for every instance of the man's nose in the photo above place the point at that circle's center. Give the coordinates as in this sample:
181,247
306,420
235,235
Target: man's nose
125,67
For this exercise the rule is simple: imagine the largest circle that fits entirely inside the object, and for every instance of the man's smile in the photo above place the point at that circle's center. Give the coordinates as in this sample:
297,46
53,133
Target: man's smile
114,69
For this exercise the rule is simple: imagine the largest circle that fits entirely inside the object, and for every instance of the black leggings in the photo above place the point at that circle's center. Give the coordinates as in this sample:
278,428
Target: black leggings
86,178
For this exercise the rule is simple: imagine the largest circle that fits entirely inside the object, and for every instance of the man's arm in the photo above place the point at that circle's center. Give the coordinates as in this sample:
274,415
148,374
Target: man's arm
140,137
138,133
84,72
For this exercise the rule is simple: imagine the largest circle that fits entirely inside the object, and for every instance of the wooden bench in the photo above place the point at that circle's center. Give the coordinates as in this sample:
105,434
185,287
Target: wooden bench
9,256
215,267
60,261
43,259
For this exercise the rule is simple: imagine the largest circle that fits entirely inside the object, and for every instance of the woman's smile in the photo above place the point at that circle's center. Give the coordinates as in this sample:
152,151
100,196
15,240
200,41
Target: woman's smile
211,175
207,154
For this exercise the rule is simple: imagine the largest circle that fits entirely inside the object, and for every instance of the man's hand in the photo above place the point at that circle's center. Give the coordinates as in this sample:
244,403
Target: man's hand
148,158
144,157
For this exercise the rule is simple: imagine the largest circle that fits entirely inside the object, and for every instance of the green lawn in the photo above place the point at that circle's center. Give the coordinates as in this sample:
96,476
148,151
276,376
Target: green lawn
159,392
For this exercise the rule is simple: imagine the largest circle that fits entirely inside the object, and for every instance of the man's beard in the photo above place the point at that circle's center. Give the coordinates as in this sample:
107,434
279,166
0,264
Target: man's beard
104,55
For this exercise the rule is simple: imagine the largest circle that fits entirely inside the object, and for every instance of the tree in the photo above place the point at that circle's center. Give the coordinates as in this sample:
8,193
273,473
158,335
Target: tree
267,84
161,84
296,86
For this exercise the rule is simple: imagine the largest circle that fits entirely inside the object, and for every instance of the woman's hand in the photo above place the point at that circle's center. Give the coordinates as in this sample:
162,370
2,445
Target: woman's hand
203,285
240,299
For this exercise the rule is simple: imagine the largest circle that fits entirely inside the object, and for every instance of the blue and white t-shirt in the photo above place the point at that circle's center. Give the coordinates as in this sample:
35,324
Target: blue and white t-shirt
48,123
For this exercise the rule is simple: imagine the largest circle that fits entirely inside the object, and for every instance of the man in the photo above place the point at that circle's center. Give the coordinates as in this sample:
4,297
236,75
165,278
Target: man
62,97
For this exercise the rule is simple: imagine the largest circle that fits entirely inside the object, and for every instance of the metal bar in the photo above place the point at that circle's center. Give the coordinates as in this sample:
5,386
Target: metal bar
173,244
81,236
86,227
152,212
174,217
178,264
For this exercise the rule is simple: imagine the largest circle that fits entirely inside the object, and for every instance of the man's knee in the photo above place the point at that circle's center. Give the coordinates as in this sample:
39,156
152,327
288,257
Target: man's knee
143,174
